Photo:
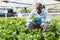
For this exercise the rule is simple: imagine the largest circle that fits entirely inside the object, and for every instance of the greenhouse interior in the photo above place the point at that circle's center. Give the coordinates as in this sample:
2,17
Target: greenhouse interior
29,19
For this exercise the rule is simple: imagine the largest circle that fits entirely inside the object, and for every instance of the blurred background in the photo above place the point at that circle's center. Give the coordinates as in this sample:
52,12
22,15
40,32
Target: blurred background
22,8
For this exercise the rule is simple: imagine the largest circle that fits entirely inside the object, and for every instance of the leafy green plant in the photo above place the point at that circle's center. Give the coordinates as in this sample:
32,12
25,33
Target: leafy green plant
16,29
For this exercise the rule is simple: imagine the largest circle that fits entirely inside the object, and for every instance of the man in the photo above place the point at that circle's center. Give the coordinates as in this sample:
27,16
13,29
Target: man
38,12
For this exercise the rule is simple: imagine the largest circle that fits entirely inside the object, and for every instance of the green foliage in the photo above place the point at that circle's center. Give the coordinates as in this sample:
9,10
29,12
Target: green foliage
22,10
56,7
51,9
15,29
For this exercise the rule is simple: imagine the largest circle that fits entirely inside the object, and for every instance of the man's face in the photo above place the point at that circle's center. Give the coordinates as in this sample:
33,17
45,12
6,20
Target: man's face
38,8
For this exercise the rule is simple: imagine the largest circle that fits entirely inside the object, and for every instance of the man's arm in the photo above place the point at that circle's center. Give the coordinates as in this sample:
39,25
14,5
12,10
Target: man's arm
48,17
29,17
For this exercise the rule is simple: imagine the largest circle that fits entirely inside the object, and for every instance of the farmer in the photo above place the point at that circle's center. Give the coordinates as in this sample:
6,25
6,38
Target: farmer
42,15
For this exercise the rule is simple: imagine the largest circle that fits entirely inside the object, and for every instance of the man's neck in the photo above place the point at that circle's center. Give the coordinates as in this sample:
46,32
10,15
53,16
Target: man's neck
39,12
